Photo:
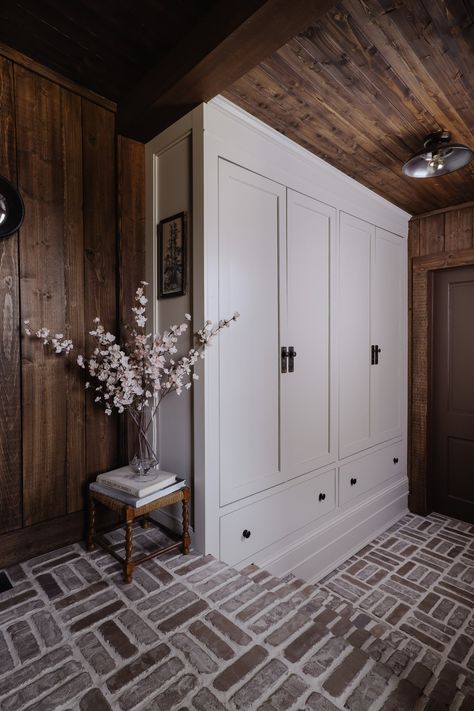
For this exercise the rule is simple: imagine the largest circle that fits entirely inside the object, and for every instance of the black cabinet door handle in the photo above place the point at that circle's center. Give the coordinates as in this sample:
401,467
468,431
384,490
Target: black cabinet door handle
353,481
291,359
395,460
284,359
322,497
374,355
246,533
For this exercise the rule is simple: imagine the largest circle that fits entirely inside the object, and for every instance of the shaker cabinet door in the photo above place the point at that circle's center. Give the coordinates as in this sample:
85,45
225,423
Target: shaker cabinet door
252,240
355,244
308,389
371,335
386,390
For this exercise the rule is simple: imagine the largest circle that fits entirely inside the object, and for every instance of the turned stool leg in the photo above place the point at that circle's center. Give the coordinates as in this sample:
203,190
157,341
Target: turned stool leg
91,527
145,522
186,537
128,566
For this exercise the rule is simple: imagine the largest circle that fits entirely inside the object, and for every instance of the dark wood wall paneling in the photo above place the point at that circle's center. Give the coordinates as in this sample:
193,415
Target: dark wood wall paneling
10,383
131,210
60,146
439,239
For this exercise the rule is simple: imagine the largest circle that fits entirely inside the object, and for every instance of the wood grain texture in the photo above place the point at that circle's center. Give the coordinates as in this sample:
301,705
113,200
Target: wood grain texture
41,538
100,242
106,46
360,86
435,241
444,210
131,196
432,235
63,269
131,211
31,541
459,229
214,53
41,165
71,131
363,85
10,370
25,61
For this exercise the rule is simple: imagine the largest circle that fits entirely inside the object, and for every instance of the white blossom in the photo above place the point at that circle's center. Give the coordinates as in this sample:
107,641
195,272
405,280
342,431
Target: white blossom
142,371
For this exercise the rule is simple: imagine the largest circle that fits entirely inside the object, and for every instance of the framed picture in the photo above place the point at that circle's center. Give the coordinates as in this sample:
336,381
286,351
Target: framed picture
172,256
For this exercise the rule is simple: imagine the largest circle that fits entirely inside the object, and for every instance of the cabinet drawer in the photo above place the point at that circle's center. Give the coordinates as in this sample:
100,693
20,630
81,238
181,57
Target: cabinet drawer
258,525
363,474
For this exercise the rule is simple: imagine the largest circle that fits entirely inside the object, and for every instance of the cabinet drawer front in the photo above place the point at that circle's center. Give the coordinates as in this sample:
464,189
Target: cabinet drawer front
363,474
254,527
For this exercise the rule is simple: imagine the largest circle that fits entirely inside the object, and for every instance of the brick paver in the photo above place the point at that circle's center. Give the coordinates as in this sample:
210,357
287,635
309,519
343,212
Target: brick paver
391,629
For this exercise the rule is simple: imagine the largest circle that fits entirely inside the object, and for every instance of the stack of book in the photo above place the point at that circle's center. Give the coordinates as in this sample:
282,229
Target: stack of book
122,484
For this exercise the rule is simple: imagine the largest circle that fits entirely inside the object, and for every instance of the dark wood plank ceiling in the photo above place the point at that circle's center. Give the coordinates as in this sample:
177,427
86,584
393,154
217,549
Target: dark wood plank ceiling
360,87
105,45
363,85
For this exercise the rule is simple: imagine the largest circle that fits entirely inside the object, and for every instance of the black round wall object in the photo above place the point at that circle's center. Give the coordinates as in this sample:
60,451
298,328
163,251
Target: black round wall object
12,209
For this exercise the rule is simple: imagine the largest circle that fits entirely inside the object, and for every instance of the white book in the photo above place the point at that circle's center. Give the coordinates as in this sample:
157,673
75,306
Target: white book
125,479
133,500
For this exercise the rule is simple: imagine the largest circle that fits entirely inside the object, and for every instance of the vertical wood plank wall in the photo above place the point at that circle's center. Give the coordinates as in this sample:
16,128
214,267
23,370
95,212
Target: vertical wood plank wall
76,256
436,233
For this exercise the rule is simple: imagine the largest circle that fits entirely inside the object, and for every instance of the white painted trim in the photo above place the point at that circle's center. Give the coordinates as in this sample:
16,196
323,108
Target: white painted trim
352,529
374,533
326,171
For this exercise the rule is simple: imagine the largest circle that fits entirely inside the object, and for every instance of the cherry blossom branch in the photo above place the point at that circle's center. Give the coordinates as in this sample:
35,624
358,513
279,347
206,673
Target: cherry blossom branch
143,372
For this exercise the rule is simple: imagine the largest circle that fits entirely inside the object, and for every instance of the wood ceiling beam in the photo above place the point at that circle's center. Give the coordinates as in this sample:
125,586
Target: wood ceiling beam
219,50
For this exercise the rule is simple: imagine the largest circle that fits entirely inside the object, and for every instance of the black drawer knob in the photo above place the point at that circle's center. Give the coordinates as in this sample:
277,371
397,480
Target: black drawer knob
353,481
395,460
246,534
322,497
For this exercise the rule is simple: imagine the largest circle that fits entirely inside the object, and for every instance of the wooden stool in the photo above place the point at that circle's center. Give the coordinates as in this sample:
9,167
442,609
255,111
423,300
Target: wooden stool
129,514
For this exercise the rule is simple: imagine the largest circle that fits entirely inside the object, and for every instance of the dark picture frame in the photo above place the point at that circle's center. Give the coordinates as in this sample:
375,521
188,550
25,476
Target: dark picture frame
172,256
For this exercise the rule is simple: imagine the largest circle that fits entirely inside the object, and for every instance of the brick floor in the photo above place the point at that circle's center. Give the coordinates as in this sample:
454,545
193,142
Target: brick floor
391,628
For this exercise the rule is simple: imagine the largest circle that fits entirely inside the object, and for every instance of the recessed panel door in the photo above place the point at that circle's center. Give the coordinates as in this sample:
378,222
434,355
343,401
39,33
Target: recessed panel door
386,387
354,334
451,481
252,224
308,386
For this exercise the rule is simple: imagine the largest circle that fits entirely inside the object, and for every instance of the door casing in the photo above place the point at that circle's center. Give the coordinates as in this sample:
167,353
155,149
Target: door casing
420,371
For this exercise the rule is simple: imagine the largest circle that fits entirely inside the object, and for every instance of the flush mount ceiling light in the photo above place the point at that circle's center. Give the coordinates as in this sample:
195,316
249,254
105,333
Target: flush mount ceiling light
438,157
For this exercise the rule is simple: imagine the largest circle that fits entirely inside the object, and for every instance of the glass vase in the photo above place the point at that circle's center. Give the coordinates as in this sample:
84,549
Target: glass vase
145,460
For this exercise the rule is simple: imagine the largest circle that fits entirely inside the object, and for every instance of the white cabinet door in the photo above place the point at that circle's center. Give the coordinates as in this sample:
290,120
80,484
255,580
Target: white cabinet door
355,241
371,315
386,390
252,241
308,393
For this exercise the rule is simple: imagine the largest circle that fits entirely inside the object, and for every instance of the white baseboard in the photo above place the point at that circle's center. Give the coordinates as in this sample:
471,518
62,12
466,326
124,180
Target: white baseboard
327,547
363,542
322,550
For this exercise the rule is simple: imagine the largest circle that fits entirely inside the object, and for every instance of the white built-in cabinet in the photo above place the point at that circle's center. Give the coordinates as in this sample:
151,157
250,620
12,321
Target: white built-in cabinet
276,248
371,347
299,440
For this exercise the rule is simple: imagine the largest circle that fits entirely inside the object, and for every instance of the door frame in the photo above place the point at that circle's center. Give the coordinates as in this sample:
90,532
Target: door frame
420,370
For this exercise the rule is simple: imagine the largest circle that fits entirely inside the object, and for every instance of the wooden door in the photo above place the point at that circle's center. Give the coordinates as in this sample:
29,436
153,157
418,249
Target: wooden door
252,247
354,334
308,393
451,483
386,385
